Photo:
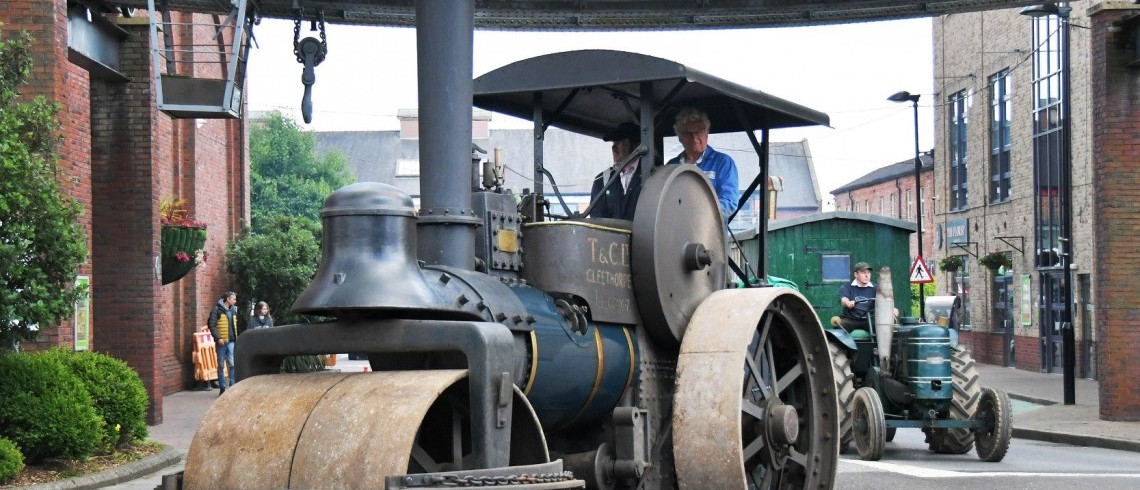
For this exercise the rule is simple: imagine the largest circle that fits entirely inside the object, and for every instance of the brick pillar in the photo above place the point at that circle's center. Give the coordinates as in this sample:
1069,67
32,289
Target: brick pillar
1116,176
127,153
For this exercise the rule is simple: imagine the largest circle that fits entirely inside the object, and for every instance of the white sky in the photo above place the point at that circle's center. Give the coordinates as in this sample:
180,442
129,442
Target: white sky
846,71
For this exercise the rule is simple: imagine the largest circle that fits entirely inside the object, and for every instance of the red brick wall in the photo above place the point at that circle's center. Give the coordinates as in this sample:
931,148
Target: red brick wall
120,157
985,346
1116,180
871,194
57,79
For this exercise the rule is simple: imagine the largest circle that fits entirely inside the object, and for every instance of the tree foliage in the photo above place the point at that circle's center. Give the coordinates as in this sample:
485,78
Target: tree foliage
286,175
41,246
277,264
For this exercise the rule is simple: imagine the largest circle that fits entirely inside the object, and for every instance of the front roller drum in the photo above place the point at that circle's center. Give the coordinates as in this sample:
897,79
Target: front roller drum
755,405
337,430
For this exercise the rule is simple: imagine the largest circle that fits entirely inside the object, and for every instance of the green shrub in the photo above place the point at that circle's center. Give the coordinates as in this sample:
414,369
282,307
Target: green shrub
45,410
11,460
302,364
116,390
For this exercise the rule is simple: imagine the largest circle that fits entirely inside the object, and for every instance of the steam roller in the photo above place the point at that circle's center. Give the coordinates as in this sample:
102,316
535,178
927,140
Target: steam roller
613,359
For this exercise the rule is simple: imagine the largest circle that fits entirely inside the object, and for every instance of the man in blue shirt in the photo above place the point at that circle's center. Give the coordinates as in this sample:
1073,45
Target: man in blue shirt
692,128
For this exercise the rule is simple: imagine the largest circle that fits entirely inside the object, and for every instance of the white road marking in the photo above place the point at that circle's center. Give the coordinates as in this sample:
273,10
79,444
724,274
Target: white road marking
920,472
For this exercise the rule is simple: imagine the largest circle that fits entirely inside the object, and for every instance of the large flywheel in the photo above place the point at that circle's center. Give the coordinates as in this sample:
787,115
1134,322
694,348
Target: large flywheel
678,249
755,405
335,430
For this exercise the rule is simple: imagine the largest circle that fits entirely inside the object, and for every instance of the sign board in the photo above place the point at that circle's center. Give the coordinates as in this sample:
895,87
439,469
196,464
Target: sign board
958,232
919,272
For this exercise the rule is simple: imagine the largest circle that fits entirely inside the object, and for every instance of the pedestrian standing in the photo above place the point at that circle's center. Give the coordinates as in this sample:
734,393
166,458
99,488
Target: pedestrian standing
224,329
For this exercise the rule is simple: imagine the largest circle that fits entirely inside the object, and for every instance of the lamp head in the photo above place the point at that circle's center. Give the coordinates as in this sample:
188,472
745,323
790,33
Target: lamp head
1046,9
904,96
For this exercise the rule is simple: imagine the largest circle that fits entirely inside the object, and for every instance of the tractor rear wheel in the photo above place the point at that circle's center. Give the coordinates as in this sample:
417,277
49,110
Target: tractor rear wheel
754,405
868,424
993,441
967,393
844,389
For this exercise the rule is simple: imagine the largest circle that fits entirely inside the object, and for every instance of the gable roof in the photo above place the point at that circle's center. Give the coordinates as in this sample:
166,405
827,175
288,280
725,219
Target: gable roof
888,173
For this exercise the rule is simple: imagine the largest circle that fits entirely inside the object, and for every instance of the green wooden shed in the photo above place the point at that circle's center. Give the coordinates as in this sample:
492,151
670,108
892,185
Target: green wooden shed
817,251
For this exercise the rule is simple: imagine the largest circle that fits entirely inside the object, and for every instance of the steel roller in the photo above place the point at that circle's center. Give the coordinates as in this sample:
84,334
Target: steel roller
336,430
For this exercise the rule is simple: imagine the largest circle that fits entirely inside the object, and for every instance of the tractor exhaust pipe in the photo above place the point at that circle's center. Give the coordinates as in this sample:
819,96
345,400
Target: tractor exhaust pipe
884,318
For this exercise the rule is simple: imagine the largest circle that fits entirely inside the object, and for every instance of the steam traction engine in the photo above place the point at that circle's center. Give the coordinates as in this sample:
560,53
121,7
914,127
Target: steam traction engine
511,346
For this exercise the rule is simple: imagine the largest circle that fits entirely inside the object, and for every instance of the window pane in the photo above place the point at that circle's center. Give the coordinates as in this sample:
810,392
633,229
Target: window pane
836,268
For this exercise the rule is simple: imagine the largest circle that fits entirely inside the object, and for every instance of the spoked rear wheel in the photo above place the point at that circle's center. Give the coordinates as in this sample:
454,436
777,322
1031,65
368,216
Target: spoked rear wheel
755,405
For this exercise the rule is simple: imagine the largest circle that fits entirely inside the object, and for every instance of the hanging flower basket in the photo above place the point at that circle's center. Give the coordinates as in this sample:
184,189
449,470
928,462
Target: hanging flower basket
182,250
950,263
995,260
183,241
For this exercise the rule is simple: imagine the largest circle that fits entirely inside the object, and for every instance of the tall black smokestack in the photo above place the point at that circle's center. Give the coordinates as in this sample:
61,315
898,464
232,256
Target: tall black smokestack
444,40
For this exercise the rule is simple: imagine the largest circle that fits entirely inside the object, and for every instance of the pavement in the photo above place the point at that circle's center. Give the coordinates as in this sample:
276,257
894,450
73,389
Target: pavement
1039,414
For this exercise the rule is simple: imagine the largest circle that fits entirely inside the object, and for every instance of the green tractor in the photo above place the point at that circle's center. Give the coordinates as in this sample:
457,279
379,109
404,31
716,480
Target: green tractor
913,374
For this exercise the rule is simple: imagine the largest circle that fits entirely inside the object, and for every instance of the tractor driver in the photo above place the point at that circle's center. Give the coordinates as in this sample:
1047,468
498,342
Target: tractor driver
620,199
857,299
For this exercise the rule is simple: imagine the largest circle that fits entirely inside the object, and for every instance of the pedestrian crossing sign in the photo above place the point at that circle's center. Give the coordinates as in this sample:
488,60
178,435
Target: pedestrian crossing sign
919,272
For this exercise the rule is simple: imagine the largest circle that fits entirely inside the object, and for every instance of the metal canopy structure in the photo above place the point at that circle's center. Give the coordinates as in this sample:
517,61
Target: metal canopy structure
593,91
610,14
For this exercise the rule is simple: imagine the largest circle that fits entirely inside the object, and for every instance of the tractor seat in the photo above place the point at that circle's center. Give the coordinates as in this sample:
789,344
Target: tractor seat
857,334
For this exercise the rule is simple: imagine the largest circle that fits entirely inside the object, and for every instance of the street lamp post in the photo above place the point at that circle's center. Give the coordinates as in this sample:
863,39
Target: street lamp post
905,96
1068,340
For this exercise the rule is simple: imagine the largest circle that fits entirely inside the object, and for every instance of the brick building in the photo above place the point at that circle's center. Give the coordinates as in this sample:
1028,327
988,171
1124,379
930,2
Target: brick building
999,173
120,157
889,191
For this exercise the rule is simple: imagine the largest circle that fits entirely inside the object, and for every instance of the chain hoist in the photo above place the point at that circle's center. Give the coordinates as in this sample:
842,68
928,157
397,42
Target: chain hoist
309,52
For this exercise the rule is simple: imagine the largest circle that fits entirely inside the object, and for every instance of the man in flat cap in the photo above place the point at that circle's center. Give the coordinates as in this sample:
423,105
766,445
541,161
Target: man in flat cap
620,200
854,298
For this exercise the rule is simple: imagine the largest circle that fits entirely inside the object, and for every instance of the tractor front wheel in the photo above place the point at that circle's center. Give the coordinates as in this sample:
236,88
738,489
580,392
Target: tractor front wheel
992,441
868,424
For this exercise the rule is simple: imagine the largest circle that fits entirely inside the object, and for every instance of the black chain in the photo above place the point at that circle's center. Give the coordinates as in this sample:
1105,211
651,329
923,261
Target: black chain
297,36
452,480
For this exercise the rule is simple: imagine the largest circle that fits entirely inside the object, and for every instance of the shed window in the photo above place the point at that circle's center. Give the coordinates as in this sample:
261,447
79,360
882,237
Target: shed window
836,268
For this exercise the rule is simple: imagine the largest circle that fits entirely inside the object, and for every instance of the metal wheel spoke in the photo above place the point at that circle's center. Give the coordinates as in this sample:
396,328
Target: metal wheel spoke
765,328
753,447
456,438
755,370
750,408
424,459
789,377
796,456
770,365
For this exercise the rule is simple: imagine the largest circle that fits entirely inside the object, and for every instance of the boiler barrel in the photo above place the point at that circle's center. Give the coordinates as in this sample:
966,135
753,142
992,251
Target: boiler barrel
578,378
